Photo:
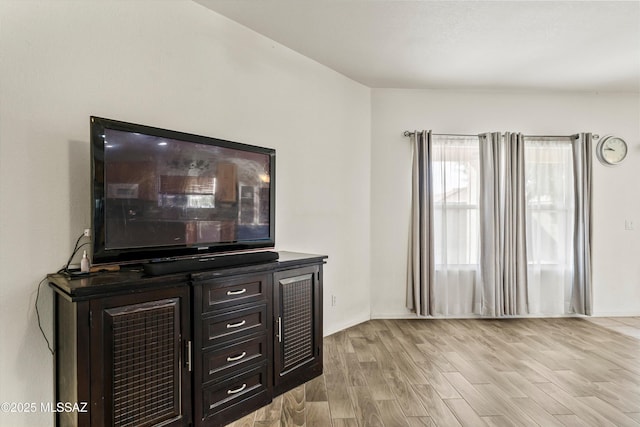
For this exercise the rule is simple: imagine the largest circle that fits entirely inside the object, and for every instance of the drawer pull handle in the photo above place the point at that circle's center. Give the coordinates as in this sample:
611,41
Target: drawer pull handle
240,292
235,325
238,390
238,357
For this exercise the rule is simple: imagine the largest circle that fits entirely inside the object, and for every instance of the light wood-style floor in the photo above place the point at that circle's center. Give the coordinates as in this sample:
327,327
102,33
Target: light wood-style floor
515,372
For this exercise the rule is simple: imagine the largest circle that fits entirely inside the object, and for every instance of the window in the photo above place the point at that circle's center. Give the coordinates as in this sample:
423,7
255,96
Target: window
516,171
549,194
456,174
455,170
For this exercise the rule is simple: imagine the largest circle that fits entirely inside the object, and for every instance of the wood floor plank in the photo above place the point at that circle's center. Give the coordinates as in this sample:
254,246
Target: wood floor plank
630,321
498,421
364,406
504,405
411,372
315,390
344,422
339,401
500,379
586,413
499,359
405,395
573,383
317,414
436,408
376,382
293,407
355,376
598,371
436,358
543,371
635,416
439,382
608,411
627,379
464,413
623,399
620,358
529,373
410,348
343,341
392,415
420,422
570,420
270,412
383,357
468,369
480,403
546,402
536,412
362,351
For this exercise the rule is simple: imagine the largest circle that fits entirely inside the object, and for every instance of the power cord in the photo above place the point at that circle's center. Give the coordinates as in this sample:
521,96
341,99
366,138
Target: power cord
76,248
38,316
63,270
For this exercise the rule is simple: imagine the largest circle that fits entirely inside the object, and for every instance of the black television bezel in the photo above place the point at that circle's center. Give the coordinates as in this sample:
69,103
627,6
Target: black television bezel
101,255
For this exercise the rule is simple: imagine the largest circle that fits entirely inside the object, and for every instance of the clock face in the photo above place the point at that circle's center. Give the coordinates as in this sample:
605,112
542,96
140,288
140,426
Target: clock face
613,150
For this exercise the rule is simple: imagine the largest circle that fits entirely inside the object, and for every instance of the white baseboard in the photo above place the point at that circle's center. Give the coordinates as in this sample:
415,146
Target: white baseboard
394,316
469,316
617,314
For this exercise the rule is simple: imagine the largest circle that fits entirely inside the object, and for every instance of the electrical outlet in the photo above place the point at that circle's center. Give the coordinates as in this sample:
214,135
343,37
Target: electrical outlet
87,232
628,224
333,300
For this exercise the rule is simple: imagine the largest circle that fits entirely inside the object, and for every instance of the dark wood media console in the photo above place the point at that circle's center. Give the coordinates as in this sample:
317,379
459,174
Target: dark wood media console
193,348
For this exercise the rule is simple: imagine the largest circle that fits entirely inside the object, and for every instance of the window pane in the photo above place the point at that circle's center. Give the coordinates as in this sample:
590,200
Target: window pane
455,173
549,194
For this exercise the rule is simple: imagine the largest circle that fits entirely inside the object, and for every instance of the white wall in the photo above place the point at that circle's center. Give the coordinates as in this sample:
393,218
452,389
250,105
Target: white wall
616,270
177,65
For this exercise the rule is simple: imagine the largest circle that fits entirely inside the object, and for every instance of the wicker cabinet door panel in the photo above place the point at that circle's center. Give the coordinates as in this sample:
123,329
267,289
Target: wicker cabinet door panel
298,326
142,371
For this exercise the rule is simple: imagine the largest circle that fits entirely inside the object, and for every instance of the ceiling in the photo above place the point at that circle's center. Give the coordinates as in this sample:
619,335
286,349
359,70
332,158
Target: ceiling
497,45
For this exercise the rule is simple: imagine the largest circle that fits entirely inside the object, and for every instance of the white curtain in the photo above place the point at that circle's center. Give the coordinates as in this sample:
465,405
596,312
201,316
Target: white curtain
550,224
455,188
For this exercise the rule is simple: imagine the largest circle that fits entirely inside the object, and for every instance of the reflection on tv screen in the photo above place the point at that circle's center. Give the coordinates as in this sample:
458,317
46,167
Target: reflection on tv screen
163,192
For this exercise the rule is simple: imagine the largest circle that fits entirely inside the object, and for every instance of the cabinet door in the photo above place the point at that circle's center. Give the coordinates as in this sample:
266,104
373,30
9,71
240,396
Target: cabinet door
297,326
139,350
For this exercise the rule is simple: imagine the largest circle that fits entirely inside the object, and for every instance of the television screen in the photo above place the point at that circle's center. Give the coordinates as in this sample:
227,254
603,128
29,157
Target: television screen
159,193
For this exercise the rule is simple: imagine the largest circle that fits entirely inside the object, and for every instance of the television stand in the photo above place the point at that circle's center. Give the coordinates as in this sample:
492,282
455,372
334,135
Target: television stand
159,268
198,348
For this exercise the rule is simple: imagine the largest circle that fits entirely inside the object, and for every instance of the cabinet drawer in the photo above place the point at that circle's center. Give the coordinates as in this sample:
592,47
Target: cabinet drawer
228,292
235,391
233,358
234,324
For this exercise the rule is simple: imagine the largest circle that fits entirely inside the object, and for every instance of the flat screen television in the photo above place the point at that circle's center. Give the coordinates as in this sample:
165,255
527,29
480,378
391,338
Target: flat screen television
160,194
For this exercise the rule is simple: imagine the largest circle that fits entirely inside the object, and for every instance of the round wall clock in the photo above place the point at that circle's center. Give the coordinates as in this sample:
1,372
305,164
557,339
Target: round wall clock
611,150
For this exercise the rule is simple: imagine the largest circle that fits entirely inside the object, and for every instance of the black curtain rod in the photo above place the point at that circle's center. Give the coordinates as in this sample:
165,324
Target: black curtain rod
409,133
